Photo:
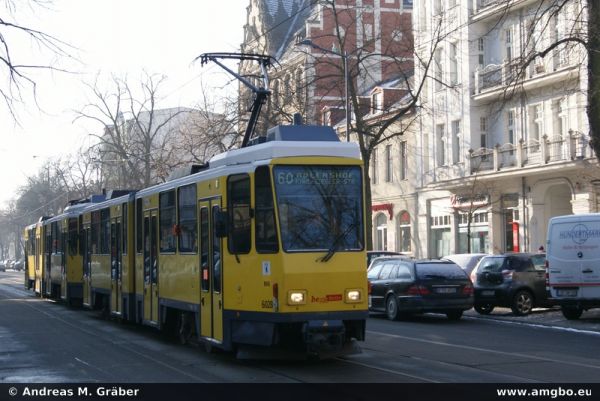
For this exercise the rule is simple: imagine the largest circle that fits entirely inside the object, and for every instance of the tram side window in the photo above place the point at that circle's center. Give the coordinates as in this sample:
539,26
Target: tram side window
138,226
95,231
73,234
55,237
264,222
81,233
166,208
124,228
188,234
204,249
238,195
105,231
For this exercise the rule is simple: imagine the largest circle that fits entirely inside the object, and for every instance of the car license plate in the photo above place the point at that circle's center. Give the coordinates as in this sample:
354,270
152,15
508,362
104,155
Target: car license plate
446,290
566,293
488,293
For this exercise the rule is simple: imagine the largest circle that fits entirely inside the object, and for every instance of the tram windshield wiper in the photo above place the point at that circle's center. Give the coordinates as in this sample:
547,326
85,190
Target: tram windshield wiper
332,249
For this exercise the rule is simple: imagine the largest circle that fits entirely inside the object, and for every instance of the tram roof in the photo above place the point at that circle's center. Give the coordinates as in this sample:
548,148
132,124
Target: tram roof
245,159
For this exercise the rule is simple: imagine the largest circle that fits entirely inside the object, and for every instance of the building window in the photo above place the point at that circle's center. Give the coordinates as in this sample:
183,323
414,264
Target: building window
407,4
187,232
403,161
483,131
439,70
510,125
377,102
440,144
299,86
397,35
508,44
456,153
473,237
481,52
381,232
166,208
327,117
437,7
374,167
536,122
388,163
453,63
404,237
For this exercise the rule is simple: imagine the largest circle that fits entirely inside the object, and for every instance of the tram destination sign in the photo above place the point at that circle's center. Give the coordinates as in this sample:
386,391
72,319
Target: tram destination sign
318,177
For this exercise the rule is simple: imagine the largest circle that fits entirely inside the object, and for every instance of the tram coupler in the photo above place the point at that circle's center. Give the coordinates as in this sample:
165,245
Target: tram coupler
324,336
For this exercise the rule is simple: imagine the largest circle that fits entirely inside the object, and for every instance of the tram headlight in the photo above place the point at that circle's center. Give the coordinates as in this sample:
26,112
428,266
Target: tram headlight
353,296
296,297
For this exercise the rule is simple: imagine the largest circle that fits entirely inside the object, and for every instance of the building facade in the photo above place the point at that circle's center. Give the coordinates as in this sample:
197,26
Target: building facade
503,139
317,42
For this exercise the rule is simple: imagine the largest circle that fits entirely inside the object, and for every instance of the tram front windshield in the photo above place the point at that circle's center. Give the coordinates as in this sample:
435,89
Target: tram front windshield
320,207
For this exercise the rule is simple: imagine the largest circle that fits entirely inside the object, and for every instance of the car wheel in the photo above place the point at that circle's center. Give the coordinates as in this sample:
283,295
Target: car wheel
522,303
571,313
484,309
454,314
391,308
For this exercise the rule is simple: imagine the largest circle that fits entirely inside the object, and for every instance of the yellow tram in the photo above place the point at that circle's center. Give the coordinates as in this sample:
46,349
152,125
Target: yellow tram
107,255
36,258
32,239
263,247
64,273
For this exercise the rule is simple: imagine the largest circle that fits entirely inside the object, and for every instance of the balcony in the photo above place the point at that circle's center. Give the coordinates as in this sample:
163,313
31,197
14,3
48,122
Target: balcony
532,153
495,78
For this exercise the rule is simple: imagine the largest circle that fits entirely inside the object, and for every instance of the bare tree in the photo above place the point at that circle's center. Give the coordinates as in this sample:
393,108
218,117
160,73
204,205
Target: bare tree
211,129
136,145
20,73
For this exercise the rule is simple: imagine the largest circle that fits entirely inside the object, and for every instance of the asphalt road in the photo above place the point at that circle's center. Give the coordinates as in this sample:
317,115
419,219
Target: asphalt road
43,341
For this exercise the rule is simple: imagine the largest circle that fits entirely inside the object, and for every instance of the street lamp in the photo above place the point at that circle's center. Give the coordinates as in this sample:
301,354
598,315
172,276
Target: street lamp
344,56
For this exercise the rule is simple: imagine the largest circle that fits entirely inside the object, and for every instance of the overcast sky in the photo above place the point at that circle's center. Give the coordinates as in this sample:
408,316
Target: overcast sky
120,37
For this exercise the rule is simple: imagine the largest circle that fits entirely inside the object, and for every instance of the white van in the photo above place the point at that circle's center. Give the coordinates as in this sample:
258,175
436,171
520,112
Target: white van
573,262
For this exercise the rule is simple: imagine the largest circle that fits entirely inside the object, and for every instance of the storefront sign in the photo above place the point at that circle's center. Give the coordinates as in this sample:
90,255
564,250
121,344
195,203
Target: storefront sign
466,201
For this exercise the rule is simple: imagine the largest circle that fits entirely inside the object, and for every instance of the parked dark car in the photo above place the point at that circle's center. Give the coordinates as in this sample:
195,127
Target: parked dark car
515,280
376,254
401,286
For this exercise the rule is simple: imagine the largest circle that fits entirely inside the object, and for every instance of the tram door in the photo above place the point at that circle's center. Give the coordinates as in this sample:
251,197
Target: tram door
63,264
151,267
211,296
38,263
116,265
87,267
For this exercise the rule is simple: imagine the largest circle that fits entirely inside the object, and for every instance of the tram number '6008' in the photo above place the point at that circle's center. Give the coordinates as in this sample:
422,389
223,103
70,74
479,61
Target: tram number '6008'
266,304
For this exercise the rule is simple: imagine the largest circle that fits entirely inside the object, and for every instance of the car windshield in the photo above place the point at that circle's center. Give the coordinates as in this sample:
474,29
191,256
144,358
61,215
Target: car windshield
320,207
493,264
439,270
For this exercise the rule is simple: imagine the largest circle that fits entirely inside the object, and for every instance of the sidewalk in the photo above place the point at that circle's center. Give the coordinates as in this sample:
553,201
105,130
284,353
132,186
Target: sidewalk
589,321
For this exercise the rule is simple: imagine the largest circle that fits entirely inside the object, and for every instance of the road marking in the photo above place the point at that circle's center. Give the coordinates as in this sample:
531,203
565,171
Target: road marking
467,347
540,326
